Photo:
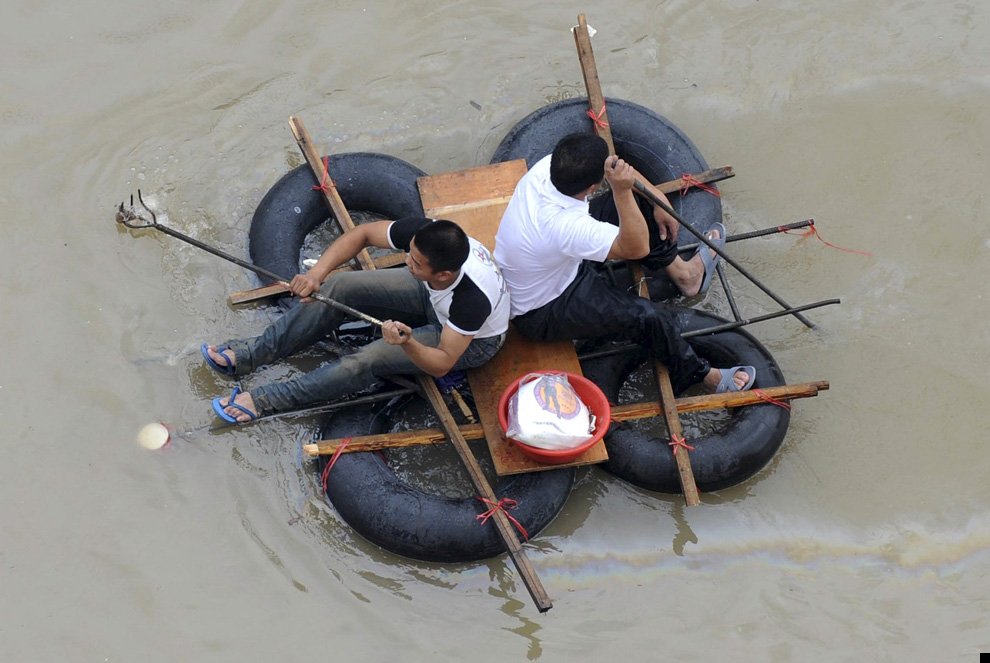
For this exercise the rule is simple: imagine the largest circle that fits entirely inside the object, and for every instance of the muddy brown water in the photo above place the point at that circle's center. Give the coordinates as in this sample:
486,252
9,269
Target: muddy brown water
865,538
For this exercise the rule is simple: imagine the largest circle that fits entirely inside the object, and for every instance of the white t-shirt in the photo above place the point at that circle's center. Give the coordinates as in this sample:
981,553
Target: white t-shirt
543,238
477,302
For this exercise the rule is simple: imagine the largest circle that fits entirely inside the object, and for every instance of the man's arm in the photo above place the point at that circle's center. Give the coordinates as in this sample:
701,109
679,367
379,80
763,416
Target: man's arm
435,361
633,241
667,224
343,249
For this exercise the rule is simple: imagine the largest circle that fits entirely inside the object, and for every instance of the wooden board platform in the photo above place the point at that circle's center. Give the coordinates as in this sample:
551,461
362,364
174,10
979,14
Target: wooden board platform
475,199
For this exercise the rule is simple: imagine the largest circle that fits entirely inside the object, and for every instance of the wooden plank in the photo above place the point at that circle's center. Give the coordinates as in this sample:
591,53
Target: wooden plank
597,101
481,186
396,440
715,401
323,178
518,357
474,198
670,414
628,412
705,177
505,527
676,433
586,56
429,389
450,192
277,289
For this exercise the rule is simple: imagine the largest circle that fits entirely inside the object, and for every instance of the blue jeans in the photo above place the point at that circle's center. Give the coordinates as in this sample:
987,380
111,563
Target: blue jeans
387,294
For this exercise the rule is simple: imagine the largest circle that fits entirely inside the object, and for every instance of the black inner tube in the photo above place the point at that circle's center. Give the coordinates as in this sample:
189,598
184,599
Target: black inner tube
722,458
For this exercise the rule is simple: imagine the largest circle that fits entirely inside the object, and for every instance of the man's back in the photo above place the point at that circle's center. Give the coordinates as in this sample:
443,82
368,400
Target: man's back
543,238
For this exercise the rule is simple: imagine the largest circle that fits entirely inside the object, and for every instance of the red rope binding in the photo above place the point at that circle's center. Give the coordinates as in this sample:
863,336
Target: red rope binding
688,180
501,505
597,118
814,231
770,399
325,476
676,441
324,186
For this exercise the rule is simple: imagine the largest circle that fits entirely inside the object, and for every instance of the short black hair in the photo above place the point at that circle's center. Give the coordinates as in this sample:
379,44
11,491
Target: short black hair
578,162
443,244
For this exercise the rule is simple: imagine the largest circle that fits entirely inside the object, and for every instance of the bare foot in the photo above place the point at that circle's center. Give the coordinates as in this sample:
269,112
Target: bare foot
715,376
244,400
688,275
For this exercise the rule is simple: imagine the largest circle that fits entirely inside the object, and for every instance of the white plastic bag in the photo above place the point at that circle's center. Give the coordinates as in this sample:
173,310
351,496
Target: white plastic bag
546,412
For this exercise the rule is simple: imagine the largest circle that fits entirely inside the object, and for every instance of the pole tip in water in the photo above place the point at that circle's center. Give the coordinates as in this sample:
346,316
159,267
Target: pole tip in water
154,436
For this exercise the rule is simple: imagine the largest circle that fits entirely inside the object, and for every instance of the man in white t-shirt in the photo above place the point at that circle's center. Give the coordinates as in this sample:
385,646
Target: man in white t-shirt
448,310
548,233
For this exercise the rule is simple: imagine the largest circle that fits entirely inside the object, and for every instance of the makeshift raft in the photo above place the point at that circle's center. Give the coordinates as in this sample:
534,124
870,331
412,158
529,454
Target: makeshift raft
416,524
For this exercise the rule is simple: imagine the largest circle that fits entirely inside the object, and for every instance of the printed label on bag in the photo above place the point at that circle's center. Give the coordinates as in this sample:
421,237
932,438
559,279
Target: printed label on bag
557,397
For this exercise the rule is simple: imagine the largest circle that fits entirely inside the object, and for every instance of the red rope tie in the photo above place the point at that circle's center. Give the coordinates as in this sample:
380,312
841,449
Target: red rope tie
814,231
764,396
676,441
688,180
501,505
325,476
324,186
597,118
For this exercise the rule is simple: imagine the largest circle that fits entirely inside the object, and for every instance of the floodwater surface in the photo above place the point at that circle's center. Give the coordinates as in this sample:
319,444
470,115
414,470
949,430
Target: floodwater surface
865,538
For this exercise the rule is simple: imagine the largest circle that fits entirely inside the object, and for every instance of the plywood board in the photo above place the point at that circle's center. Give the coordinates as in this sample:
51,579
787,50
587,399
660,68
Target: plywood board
518,357
475,199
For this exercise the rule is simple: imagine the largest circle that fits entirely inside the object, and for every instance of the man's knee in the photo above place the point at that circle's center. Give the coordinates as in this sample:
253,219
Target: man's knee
337,286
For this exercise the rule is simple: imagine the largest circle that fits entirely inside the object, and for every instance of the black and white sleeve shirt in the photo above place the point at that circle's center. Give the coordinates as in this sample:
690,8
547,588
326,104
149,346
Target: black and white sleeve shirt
477,302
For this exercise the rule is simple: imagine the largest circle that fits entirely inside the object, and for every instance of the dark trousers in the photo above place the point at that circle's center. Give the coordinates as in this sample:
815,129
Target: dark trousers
661,254
591,308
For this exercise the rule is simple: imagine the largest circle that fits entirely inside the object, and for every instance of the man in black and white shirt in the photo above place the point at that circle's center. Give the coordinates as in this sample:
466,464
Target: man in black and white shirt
449,310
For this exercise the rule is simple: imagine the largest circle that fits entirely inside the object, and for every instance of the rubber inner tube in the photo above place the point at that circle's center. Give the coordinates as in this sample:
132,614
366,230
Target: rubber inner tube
647,140
736,450
377,183
363,488
408,521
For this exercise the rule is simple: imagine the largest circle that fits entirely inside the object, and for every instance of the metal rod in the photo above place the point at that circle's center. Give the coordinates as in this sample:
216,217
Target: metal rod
729,297
641,188
630,347
245,264
793,310
690,248
316,409
754,233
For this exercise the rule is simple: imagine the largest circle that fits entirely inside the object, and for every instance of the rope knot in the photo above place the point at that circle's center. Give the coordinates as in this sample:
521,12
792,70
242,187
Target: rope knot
502,505
324,186
764,396
813,231
678,442
688,180
598,118
325,475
